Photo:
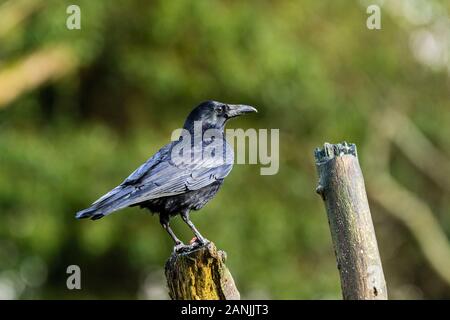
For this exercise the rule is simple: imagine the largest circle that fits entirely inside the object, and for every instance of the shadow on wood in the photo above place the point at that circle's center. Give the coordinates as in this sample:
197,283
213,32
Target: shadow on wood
200,274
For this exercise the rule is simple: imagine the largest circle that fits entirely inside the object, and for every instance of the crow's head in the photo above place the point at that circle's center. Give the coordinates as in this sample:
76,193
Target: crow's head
215,114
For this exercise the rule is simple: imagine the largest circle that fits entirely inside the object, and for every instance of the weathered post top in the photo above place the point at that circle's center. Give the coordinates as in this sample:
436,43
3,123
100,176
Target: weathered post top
330,151
200,274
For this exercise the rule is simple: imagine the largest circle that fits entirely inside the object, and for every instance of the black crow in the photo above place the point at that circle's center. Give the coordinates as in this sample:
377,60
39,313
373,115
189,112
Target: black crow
183,175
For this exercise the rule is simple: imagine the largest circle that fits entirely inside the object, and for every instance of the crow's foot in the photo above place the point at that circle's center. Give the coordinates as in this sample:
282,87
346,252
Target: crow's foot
199,242
181,247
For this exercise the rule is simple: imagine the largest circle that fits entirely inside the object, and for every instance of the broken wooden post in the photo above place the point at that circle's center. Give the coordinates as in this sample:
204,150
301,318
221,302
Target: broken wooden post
200,274
341,185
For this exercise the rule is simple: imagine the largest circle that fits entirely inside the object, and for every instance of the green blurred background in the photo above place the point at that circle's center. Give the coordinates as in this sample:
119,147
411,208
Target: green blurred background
81,109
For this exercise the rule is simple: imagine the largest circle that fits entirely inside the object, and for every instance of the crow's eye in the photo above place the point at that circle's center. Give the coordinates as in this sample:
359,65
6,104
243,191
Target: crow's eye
219,110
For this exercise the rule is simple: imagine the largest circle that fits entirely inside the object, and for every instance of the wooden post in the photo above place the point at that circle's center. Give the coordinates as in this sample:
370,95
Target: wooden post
341,185
200,274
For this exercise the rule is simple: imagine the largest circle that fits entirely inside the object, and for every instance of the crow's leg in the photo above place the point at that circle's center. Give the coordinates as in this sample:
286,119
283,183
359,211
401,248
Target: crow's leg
200,238
165,224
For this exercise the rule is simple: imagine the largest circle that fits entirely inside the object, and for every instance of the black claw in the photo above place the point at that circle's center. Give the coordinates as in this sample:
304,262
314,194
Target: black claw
180,247
202,241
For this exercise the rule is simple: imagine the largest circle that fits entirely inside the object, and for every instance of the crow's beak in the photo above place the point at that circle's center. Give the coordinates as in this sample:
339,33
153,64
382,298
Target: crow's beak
235,110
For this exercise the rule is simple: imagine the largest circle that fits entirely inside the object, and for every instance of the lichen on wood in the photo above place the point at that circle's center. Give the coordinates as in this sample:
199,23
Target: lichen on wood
341,186
200,274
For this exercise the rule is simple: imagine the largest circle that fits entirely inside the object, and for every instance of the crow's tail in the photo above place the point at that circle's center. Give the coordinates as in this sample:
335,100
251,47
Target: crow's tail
91,212
114,200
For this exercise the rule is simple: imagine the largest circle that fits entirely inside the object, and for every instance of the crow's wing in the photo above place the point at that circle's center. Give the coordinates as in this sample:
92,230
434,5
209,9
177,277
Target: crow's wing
134,177
161,176
144,169
166,178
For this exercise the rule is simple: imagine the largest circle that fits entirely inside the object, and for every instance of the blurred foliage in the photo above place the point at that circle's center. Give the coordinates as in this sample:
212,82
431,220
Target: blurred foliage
312,68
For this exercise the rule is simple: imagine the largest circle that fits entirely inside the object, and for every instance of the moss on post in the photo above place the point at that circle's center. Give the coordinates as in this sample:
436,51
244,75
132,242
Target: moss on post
200,274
